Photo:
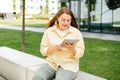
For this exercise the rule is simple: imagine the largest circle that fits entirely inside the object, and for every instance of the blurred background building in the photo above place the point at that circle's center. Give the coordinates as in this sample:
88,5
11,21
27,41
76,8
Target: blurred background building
6,9
51,7
91,15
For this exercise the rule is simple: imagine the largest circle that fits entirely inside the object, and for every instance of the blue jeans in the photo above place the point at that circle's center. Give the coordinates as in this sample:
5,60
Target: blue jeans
46,72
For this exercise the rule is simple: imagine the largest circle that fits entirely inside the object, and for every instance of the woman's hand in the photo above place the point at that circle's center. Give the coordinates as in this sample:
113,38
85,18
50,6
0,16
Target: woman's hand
69,46
54,48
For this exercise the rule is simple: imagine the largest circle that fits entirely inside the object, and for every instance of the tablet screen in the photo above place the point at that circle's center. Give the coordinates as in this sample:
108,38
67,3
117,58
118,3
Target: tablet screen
71,41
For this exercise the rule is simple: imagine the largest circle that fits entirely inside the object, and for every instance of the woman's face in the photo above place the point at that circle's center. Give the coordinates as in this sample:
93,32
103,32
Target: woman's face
64,21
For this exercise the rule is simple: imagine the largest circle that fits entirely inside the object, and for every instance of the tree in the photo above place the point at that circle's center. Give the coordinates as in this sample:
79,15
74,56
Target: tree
23,27
91,7
113,4
92,4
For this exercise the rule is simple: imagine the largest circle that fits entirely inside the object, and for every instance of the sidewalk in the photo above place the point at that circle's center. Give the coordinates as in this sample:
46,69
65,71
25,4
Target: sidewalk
85,34
101,36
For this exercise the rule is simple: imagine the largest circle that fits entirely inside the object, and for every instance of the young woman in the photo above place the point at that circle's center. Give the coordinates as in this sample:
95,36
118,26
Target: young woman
62,57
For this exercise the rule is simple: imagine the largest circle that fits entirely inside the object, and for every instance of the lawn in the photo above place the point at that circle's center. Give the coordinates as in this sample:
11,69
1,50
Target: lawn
101,57
28,22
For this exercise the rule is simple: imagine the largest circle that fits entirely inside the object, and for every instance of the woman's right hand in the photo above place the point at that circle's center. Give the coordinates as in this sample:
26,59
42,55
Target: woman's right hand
54,48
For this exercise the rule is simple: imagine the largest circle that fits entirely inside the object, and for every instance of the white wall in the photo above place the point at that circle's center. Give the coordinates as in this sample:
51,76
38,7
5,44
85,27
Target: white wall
32,6
53,6
6,6
17,5
106,12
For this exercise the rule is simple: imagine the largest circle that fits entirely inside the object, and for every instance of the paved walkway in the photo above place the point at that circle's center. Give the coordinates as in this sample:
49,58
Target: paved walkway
85,34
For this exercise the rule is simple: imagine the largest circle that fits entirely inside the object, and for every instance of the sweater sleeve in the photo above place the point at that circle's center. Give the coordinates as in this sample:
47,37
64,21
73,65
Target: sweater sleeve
44,44
79,47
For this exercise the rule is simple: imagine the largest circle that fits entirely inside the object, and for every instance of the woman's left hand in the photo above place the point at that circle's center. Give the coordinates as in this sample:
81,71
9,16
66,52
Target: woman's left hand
69,46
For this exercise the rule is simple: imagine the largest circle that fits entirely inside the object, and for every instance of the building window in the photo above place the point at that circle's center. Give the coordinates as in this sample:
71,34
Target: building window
53,1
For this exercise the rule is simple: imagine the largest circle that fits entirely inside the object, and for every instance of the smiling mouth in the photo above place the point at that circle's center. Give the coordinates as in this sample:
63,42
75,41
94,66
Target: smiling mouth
65,25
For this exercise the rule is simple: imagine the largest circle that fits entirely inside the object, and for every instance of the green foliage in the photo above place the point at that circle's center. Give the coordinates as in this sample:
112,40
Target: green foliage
91,1
92,4
113,4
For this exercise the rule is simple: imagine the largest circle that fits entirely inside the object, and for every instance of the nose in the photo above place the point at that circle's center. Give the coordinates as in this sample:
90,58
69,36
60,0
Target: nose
66,22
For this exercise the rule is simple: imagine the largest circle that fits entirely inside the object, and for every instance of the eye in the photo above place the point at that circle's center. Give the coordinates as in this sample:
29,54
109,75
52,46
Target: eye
68,20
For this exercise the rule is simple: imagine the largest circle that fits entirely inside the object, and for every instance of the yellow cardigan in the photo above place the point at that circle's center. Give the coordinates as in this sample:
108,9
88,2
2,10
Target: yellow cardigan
62,58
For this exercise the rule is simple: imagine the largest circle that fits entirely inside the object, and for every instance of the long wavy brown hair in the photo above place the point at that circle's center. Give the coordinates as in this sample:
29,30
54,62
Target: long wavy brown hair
61,11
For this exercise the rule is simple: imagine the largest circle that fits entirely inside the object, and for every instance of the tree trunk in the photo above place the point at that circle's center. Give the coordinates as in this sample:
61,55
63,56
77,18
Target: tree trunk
23,28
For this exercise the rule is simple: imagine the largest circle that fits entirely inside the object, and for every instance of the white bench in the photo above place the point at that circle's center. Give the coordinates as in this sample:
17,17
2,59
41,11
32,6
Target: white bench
17,65
2,78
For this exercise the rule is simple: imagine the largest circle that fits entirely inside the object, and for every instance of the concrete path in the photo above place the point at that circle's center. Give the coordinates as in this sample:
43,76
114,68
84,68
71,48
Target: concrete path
20,28
102,36
85,34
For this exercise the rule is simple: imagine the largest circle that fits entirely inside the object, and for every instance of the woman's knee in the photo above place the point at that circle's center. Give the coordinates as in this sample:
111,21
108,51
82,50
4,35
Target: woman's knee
41,77
65,75
44,73
37,78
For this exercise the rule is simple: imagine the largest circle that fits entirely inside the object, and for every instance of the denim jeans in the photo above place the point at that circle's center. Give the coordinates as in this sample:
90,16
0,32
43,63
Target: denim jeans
45,72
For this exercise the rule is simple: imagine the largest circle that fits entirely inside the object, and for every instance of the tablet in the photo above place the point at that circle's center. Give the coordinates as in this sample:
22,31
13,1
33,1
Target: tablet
71,41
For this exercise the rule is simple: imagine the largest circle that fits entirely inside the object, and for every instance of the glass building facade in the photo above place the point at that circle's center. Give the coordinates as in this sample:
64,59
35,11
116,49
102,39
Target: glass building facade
102,16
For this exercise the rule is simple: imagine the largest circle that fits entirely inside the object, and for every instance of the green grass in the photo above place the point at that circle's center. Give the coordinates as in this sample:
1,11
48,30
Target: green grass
118,22
31,23
101,58
12,38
